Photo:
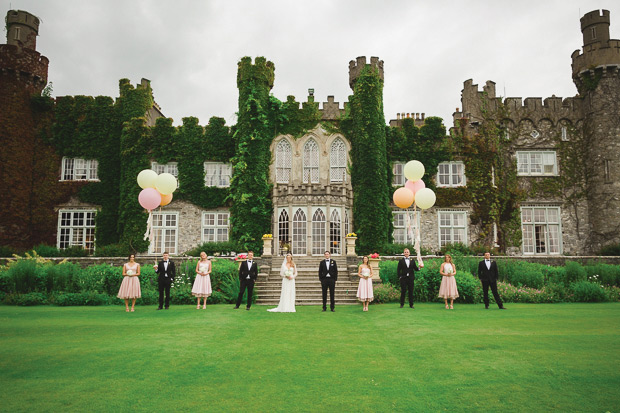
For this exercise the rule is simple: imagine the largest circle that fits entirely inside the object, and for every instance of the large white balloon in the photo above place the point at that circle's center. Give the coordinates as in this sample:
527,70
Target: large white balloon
425,198
166,183
414,170
146,178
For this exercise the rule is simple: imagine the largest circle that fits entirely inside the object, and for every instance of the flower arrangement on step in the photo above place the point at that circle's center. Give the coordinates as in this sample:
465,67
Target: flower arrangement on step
241,257
351,234
267,235
375,255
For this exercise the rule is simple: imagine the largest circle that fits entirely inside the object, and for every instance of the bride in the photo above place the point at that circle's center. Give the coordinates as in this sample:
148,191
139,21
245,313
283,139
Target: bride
288,272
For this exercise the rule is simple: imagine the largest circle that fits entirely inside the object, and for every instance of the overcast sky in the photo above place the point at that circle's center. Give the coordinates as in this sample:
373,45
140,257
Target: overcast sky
190,49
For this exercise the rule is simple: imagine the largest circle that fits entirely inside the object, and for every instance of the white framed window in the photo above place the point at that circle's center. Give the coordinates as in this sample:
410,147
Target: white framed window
170,167
311,162
284,162
541,228
564,134
451,174
338,161
335,232
398,174
78,169
536,163
76,227
452,227
298,246
318,232
401,232
217,174
165,232
284,234
215,226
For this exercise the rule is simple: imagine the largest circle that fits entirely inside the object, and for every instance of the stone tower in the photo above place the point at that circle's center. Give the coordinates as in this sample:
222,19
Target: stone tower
596,73
356,66
23,73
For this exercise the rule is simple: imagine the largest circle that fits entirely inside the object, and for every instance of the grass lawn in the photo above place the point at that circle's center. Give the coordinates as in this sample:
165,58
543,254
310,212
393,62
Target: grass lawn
530,357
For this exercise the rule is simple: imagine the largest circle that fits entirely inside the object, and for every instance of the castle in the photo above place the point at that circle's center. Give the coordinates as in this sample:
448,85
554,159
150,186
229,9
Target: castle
566,154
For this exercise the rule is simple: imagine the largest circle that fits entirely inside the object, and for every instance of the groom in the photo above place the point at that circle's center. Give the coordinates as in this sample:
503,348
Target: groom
328,274
487,272
406,274
248,273
166,272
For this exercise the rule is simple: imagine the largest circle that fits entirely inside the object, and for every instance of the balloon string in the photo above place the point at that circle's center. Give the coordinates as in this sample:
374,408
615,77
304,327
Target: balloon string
416,246
149,225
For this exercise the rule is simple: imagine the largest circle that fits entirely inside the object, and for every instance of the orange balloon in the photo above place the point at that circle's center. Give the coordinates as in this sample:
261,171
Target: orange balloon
165,200
403,197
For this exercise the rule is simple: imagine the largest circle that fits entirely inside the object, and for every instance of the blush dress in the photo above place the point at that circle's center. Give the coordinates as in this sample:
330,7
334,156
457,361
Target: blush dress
364,290
448,289
202,283
130,287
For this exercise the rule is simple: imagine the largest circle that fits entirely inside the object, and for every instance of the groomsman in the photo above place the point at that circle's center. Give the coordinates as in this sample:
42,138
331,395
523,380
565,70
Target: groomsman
328,274
248,273
487,272
406,274
166,272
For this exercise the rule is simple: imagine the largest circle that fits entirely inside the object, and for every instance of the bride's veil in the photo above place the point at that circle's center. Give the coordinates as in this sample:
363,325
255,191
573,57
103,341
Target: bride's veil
283,267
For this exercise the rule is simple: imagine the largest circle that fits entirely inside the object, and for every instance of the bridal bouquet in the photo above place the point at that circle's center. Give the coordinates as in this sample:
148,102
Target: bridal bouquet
290,273
130,272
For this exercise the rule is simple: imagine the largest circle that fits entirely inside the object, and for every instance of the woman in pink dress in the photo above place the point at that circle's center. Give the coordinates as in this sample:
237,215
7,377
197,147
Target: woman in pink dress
364,291
130,287
448,289
202,283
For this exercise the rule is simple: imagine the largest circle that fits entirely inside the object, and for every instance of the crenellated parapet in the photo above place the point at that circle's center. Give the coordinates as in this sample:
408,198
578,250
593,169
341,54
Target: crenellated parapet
331,110
24,64
356,66
22,29
262,71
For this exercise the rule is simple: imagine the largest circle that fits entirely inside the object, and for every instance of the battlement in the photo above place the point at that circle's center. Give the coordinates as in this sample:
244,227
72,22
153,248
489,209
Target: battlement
594,55
534,108
418,119
356,67
262,70
331,110
594,17
22,29
14,59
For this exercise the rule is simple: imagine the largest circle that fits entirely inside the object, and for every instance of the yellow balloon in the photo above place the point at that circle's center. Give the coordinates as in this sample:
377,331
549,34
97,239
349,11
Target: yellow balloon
414,170
166,183
425,198
146,178
403,197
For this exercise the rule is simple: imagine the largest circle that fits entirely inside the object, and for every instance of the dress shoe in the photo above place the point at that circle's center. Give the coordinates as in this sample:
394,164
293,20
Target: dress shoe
502,308
159,308
324,310
333,311
167,308
401,306
410,306
486,307
247,308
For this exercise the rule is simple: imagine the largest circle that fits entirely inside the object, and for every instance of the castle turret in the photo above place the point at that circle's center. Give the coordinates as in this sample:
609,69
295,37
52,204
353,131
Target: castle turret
22,29
356,66
596,73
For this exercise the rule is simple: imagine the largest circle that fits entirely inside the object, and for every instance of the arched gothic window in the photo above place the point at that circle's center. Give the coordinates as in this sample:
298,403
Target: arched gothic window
311,162
284,236
299,233
318,232
284,161
335,236
338,161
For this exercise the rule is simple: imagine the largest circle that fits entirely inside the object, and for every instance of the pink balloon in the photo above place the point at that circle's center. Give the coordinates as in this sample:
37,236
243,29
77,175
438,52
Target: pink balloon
149,198
417,185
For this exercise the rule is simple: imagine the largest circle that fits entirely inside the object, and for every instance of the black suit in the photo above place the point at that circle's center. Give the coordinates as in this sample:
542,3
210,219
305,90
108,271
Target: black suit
164,280
245,282
488,276
328,277
406,276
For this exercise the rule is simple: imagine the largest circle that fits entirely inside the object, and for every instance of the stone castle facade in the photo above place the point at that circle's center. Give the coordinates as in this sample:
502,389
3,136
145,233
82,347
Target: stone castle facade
312,193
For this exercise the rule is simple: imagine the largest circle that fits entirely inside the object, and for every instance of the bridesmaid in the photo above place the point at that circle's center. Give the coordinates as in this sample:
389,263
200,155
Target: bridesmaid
364,291
202,283
448,289
130,287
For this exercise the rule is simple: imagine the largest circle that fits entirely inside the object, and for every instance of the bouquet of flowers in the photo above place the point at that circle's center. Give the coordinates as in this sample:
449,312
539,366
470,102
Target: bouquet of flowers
290,273
366,273
130,273
375,255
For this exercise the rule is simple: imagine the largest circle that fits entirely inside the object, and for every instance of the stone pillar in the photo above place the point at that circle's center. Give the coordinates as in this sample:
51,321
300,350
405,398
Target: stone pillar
351,246
374,264
267,245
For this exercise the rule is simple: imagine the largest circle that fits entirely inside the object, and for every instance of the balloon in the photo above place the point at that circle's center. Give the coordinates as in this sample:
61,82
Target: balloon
414,170
425,198
403,198
165,200
146,178
415,186
149,198
166,183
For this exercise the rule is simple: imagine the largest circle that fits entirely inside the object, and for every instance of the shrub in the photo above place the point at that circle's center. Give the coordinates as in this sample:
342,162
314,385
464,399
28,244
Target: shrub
397,249
606,274
230,289
51,251
27,276
554,275
385,293
470,289
64,277
387,272
574,273
613,293
525,274
587,292
111,278
83,298
7,284
148,297
214,249
29,299
221,269
113,250
456,248
611,250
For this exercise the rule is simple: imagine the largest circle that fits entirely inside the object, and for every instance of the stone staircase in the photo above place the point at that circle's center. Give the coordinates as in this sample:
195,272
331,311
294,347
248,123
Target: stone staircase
307,284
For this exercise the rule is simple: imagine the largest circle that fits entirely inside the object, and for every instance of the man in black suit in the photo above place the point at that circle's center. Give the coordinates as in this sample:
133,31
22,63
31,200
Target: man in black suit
406,274
166,272
487,272
248,273
328,274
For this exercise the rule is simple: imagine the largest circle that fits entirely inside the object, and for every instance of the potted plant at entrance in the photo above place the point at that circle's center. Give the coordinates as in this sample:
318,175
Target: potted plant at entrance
351,238
374,261
267,242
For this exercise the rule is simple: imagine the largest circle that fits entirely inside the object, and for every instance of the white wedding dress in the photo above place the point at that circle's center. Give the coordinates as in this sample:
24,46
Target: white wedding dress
287,295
